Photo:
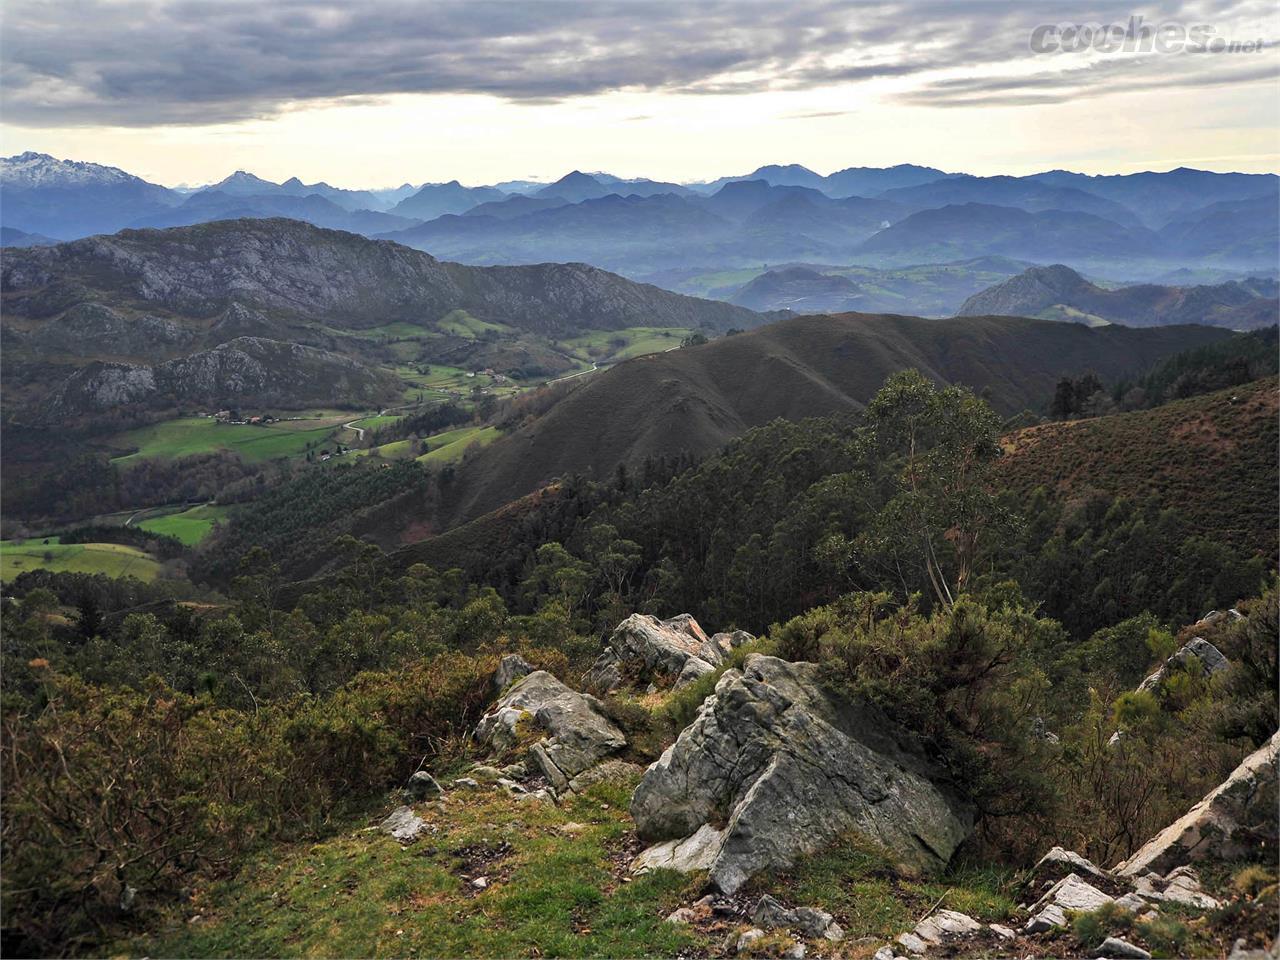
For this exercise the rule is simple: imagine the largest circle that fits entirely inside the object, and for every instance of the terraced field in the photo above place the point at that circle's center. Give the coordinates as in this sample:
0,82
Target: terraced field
112,559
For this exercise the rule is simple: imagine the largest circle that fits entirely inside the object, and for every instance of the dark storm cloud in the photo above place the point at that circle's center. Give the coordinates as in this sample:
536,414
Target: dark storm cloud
148,62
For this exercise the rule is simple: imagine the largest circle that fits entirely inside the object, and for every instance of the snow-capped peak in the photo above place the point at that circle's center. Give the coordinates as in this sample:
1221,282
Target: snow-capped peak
41,170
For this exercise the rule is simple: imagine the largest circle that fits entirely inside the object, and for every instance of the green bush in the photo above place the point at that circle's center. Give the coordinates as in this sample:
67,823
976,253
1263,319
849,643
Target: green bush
113,788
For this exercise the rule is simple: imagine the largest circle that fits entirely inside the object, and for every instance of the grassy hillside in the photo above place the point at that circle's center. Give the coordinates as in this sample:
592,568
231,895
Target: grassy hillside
189,526
111,559
1213,457
696,399
558,885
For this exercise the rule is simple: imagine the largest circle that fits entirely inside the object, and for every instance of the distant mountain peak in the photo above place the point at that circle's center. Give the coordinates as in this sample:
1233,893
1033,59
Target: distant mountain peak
575,176
31,169
242,179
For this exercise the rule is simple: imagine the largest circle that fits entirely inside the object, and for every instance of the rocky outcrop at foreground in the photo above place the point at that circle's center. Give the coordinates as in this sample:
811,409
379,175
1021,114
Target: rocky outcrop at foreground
1233,820
643,649
575,733
788,767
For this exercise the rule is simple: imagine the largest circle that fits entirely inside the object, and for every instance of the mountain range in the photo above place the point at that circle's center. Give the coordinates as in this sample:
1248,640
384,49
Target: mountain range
1125,227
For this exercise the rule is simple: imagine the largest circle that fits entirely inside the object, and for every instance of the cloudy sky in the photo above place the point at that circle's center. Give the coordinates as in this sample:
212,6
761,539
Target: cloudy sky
379,92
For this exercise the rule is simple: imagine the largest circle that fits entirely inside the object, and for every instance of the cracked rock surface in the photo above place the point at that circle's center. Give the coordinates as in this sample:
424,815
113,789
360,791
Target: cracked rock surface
785,768
644,648
576,733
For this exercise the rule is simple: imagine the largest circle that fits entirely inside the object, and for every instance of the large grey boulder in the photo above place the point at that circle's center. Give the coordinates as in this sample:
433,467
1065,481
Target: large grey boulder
1233,820
786,767
575,733
1196,650
644,648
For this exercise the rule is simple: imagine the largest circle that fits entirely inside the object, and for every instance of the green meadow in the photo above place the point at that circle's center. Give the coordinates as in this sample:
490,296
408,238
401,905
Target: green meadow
448,447
255,444
112,559
189,526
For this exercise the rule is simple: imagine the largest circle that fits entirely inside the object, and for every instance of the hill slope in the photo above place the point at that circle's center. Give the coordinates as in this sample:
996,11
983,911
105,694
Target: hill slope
1212,457
695,400
1058,292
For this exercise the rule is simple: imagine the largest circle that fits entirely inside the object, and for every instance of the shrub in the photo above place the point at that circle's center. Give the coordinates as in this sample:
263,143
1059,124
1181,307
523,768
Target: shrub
112,789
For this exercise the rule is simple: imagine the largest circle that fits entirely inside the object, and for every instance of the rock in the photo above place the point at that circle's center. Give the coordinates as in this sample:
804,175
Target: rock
646,648
1046,919
693,668
1114,948
796,951
1199,649
1059,862
467,783
485,773
538,796
913,943
811,922
1231,821
605,674
611,771
1042,733
682,915
480,882
884,953
516,771
510,669
747,938
1001,931
1241,951
936,927
788,767
696,852
1072,893
576,733
1131,902
511,786
403,825
1180,886
128,899
421,786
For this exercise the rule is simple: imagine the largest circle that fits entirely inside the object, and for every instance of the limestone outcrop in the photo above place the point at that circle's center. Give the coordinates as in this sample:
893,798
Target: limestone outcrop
571,730
643,649
787,767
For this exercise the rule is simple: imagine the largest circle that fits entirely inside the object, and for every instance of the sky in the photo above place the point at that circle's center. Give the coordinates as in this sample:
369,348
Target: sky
381,92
